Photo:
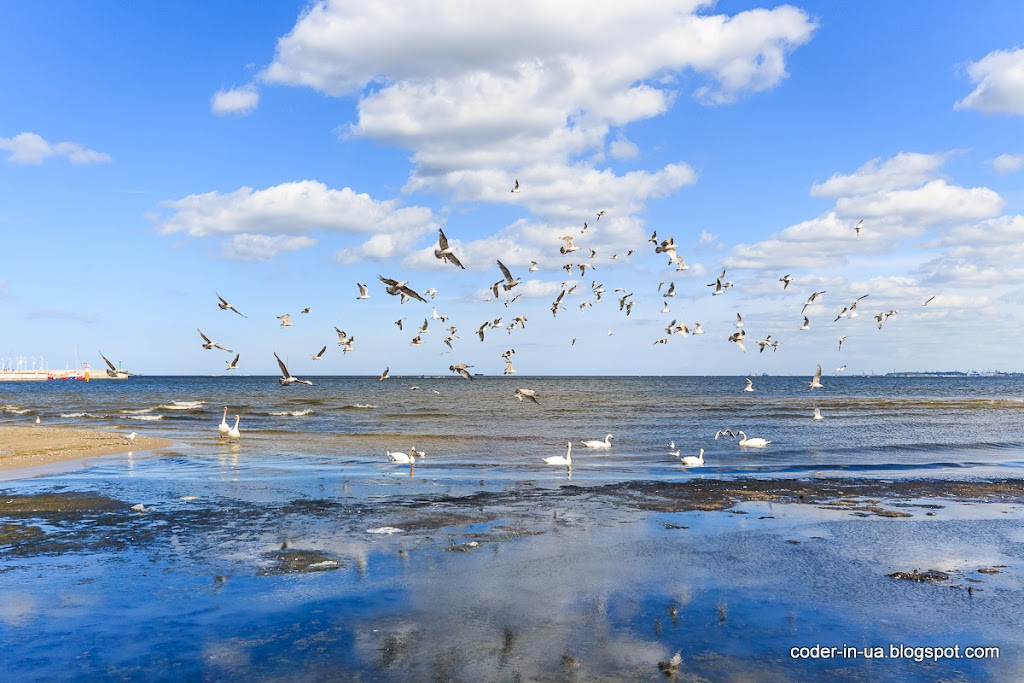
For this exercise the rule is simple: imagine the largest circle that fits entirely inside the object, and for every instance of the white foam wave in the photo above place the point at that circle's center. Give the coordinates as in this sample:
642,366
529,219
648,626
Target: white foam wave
384,530
13,409
140,411
294,413
362,405
183,405
147,418
74,415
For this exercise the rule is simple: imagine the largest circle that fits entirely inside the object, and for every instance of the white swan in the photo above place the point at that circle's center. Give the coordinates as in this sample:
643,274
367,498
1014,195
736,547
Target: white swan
594,443
223,428
561,460
818,415
233,433
694,460
756,442
405,458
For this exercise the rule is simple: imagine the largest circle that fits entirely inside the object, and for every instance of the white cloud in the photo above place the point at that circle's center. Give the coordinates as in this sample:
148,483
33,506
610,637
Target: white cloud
906,169
30,148
235,101
999,76
1008,163
934,202
249,247
486,93
291,208
623,149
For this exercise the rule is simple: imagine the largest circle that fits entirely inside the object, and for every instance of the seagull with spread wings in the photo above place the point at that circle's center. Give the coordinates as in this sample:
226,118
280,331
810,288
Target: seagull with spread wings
225,306
396,288
287,378
462,369
320,355
233,364
207,344
445,252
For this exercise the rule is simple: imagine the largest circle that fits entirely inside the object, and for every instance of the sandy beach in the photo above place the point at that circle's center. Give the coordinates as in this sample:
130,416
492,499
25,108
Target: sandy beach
31,446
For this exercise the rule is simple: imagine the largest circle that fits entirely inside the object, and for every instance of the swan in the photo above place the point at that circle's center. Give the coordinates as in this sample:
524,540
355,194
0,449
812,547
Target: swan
561,460
400,457
223,428
818,415
694,460
594,443
756,442
233,433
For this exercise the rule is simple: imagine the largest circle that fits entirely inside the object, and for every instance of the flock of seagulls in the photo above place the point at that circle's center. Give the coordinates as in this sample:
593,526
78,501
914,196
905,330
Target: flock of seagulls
505,289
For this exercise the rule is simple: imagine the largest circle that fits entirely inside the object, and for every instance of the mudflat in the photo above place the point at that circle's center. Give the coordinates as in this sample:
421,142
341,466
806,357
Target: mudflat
32,446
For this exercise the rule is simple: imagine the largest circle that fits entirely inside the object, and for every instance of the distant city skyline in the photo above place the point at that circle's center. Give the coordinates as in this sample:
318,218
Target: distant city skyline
155,157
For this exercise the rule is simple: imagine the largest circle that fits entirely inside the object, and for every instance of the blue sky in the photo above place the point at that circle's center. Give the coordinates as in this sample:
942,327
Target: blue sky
152,157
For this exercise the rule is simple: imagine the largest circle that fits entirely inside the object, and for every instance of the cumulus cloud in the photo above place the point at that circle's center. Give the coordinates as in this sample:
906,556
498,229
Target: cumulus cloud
906,169
999,76
623,149
934,202
1008,163
30,148
235,101
249,247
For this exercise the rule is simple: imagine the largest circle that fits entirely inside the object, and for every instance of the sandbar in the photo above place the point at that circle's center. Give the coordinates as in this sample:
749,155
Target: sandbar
32,446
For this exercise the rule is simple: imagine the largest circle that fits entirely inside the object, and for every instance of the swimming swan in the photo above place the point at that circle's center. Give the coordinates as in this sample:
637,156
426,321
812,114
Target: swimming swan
756,442
607,443
694,460
400,457
561,460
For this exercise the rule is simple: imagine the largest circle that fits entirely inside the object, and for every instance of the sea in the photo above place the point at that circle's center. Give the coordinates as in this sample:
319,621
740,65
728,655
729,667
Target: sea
299,552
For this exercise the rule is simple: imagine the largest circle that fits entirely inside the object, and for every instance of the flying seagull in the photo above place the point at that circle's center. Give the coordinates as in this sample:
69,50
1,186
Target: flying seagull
811,299
527,393
225,306
233,365
815,383
364,291
286,320
785,280
211,344
856,228
396,288
445,253
928,300
515,188
320,355
286,377
112,372
461,368
750,385
509,281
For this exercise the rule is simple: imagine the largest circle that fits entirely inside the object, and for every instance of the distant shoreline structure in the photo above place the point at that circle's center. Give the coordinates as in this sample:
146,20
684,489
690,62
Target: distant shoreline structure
84,374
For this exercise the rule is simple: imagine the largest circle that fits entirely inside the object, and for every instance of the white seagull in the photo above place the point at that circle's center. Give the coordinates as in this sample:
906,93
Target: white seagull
445,253
527,393
286,377
207,344
364,291
750,385
225,306
320,355
815,382
233,365
818,415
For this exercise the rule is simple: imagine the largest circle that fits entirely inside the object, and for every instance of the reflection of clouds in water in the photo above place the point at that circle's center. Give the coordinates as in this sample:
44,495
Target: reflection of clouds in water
17,608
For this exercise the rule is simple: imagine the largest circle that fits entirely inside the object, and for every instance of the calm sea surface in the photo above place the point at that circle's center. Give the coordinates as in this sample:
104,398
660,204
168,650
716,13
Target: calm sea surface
917,426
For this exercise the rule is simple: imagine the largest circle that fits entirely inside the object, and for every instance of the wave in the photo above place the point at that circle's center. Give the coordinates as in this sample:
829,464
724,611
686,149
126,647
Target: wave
358,406
14,410
147,418
293,413
76,415
183,405
140,411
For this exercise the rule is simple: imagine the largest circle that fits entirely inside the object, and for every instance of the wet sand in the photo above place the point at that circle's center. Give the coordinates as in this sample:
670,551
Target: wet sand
32,446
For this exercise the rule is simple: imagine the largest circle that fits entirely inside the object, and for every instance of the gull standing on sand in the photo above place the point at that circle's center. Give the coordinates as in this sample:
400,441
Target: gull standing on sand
561,459
129,438
597,443
223,427
815,382
286,377
211,344
233,365
225,306
527,393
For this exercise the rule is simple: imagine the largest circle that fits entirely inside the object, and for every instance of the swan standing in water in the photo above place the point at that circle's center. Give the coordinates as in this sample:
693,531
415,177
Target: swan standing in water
233,433
756,442
694,460
223,428
595,443
560,459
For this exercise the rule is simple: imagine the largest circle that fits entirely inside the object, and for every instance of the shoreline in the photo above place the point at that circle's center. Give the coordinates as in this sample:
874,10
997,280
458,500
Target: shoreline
27,447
